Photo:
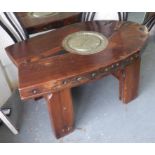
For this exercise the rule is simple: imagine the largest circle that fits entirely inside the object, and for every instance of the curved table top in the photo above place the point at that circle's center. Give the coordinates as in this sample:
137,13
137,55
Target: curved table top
45,71
124,37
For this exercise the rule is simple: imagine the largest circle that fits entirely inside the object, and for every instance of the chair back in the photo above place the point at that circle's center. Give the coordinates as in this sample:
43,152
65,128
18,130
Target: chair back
11,22
123,16
88,16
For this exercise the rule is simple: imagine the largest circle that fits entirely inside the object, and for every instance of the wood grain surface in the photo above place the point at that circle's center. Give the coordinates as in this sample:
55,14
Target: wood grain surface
35,24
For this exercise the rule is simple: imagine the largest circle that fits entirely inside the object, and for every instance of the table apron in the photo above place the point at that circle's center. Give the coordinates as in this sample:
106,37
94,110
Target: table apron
46,88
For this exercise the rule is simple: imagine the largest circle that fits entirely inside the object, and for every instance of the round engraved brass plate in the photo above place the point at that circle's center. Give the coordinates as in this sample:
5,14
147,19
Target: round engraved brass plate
42,14
85,42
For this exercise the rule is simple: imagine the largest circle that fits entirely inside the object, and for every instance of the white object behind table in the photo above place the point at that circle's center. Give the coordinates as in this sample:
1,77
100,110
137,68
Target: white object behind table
106,16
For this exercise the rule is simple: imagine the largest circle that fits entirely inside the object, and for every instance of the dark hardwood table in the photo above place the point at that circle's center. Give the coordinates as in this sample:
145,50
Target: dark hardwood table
44,72
34,24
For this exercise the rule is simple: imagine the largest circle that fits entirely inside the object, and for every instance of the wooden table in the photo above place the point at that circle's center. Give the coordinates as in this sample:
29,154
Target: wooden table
44,72
37,24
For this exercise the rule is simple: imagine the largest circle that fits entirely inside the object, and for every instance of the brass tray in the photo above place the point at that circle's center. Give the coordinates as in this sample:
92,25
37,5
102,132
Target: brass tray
42,14
85,42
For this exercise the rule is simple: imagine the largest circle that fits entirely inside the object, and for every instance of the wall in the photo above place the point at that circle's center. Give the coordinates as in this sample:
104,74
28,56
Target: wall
7,65
5,91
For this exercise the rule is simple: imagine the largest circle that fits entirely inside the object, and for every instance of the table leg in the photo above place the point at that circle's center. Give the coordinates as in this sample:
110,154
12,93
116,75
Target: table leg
129,81
60,109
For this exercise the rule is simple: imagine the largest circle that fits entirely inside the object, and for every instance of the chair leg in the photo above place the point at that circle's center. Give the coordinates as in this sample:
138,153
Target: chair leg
6,111
8,123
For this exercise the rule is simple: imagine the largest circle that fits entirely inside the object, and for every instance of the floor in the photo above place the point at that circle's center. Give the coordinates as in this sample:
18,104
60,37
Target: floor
100,115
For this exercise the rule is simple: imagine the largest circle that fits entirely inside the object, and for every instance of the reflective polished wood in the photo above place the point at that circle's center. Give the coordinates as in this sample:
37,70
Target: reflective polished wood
34,24
44,72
